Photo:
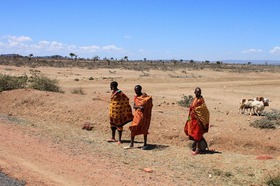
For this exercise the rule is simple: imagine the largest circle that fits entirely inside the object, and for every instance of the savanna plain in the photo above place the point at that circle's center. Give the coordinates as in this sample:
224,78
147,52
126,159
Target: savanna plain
42,141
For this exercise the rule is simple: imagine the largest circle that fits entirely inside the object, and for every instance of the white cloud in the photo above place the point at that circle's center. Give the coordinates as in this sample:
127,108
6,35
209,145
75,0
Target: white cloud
92,48
252,50
127,37
24,45
275,50
19,39
111,48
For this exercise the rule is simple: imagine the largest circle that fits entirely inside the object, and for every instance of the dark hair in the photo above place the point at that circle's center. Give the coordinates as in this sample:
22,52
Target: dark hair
114,84
138,87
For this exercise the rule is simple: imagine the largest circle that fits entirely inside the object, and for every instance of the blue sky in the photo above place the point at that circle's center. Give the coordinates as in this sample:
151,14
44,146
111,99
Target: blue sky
153,29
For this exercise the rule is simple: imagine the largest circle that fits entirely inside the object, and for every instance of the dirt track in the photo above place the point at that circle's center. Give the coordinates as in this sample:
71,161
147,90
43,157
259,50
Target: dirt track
42,142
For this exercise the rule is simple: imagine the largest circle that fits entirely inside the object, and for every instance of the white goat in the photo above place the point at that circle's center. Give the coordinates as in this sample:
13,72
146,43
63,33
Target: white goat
256,105
245,104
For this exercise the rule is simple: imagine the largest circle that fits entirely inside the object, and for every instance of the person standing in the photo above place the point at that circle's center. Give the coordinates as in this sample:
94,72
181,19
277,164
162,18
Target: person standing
198,121
120,112
142,116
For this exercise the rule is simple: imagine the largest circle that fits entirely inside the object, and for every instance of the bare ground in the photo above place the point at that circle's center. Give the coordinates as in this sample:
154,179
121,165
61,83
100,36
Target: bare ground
42,141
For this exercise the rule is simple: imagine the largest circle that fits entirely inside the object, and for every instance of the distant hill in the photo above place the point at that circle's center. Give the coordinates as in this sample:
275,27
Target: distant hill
259,62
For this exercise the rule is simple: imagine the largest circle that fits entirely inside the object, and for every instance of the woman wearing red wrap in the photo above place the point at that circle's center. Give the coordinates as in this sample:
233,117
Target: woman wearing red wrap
198,120
142,116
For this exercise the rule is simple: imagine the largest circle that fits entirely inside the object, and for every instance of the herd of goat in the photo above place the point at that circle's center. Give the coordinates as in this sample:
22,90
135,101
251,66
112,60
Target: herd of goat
253,106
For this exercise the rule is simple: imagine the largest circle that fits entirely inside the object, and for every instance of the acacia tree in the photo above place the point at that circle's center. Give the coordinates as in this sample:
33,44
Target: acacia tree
125,58
95,58
72,55
30,56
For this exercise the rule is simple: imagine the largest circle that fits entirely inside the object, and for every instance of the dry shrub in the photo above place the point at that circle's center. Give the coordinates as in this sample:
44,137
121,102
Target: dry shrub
41,82
78,91
186,101
271,120
12,82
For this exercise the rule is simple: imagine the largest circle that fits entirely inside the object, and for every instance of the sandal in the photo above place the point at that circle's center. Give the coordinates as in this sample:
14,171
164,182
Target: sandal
128,147
111,140
195,152
144,147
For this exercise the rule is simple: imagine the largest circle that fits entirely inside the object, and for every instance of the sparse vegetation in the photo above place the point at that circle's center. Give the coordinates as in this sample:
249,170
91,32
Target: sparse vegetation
78,91
41,82
186,101
8,82
271,120
273,180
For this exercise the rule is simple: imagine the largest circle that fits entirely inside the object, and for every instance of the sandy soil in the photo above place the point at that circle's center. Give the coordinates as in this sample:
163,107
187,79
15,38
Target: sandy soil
42,141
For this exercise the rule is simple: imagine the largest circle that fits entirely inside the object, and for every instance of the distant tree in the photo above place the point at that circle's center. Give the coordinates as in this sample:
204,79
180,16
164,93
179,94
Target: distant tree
181,60
95,58
191,61
249,63
30,56
125,58
145,59
72,55
207,62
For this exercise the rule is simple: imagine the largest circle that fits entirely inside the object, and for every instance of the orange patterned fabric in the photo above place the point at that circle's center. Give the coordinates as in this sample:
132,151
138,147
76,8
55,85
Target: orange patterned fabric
198,120
120,110
142,118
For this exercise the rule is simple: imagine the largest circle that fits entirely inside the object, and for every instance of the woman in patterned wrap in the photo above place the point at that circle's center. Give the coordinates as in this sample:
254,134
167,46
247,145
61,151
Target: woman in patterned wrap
198,120
120,112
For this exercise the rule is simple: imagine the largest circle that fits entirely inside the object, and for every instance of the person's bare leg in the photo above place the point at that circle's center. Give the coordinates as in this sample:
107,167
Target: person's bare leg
120,137
131,145
132,141
113,130
145,139
196,148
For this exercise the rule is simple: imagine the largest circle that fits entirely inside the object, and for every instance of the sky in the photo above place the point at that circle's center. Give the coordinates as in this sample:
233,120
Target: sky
211,30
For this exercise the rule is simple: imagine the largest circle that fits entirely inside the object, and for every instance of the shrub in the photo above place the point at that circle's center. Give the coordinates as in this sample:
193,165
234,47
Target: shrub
273,181
186,101
12,82
271,120
43,83
78,91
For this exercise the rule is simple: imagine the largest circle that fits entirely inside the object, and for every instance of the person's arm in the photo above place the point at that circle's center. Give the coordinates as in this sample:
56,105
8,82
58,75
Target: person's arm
137,107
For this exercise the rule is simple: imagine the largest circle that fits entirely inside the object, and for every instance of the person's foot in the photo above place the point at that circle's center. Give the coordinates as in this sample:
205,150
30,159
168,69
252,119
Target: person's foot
119,142
195,152
112,140
129,147
145,147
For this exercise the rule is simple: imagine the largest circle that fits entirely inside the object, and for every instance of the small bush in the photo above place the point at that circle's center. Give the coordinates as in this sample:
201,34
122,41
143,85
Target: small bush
186,101
78,91
43,83
12,82
273,180
271,120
